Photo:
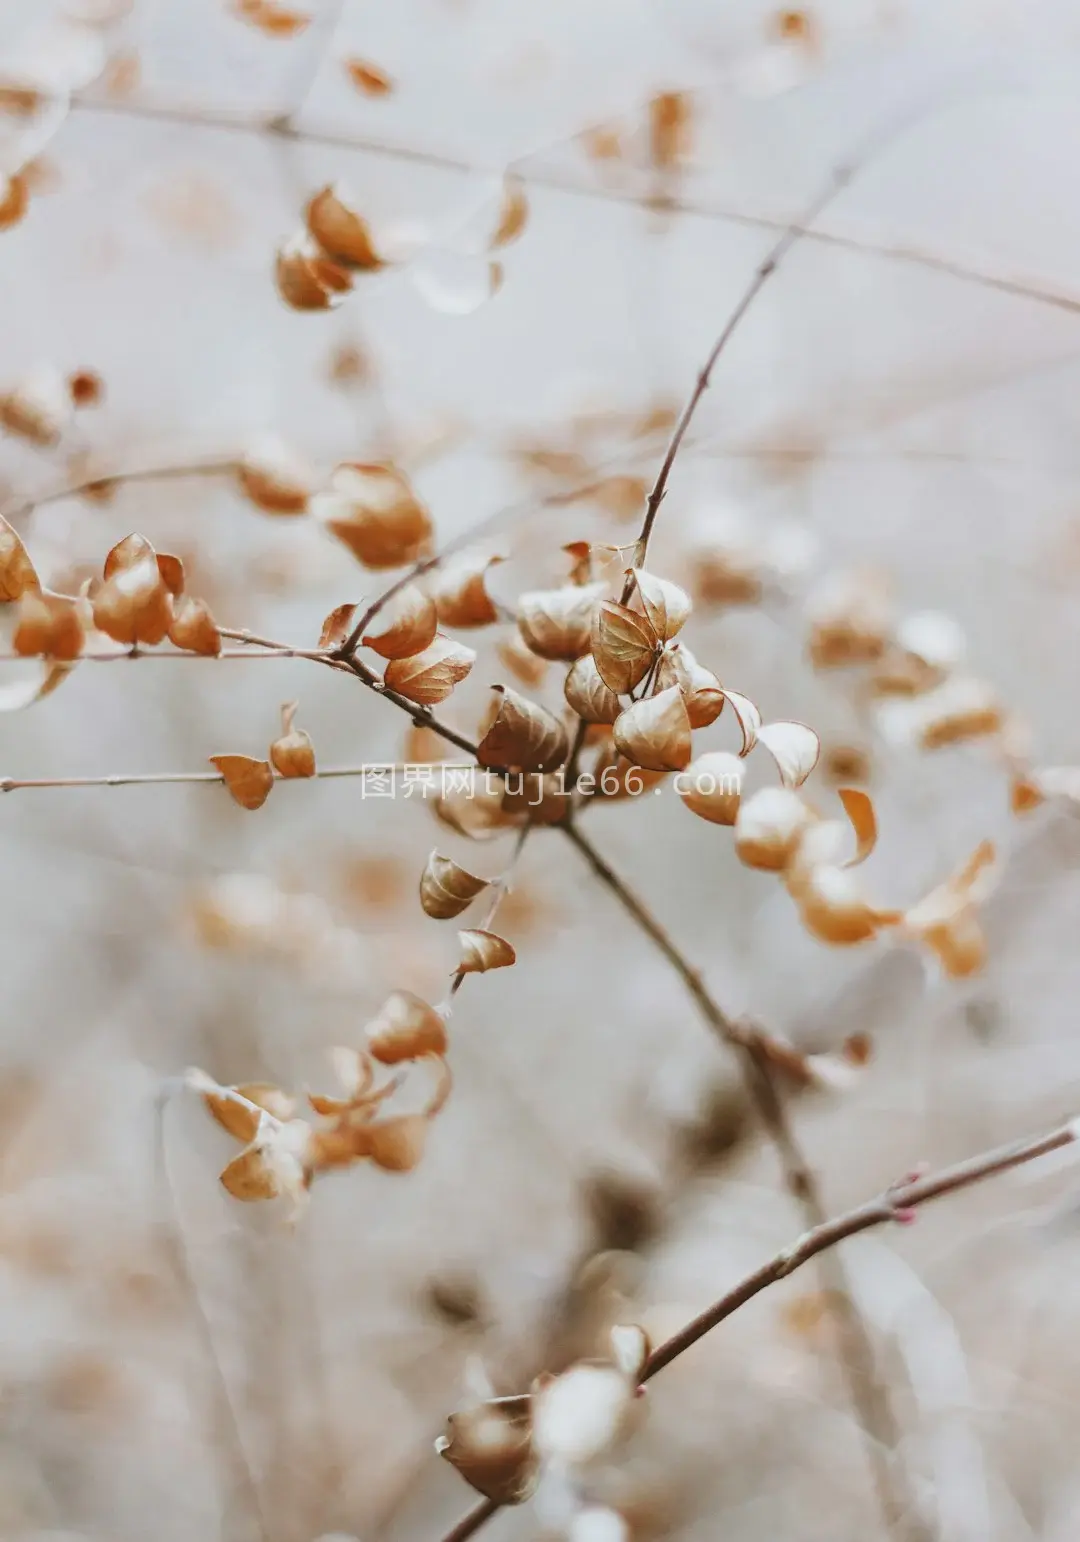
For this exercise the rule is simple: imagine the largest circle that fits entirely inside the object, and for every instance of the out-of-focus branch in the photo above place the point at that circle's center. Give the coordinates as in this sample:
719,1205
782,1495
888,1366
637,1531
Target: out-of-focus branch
898,1203
156,778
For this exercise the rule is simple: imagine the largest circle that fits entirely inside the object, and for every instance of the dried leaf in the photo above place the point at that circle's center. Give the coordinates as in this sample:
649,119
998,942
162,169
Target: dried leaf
588,696
249,781
292,754
275,477
859,808
395,1145
14,200
411,628
337,625
946,919
248,1177
523,736
847,763
655,732
712,787
833,908
624,646
960,708
342,233
749,719
50,625
133,604
307,279
520,661
850,619
769,826
193,628
237,1109
702,692
513,213
430,676
491,1447
459,590
670,114
557,623
447,889
372,510
404,1028
17,573
368,77
269,16
794,747
481,951
664,603
172,573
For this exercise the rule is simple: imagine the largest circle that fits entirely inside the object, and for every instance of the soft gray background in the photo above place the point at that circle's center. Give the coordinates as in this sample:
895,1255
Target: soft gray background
911,417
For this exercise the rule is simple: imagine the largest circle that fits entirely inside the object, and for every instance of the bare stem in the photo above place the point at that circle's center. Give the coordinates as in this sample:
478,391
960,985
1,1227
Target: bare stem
898,1203
156,778
501,890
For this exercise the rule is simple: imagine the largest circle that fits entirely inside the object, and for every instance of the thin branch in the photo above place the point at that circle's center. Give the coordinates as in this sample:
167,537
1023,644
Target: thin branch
157,778
502,889
140,655
898,1203
169,471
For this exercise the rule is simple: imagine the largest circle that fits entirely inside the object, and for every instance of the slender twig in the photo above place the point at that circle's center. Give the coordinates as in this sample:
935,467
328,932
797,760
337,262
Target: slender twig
501,889
140,655
898,1203
157,778
168,471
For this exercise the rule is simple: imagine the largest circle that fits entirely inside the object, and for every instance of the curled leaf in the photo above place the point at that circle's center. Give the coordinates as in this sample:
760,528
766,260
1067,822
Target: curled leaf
341,231
946,919
368,77
712,787
372,510
237,1109
39,408
655,732
482,950
491,1447
307,279
768,828
749,719
580,1415
447,889
794,747
404,1028
17,573
624,646
249,781
459,590
429,677
961,708
411,628
471,805
850,620
859,808
292,753
702,691
557,623
664,603
193,627
833,908
588,696
337,625
523,736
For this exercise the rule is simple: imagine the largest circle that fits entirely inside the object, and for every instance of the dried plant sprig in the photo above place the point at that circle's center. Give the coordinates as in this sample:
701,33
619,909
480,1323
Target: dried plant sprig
899,1203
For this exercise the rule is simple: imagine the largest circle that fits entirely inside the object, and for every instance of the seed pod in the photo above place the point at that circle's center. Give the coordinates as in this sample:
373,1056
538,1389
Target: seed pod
17,573
702,691
412,626
372,510
343,234
275,478
665,605
461,597
768,827
588,696
307,279
447,889
482,950
624,646
193,628
430,676
557,623
250,782
133,604
794,747
523,736
292,754
404,1028
655,733
49,626
491,1447
712,787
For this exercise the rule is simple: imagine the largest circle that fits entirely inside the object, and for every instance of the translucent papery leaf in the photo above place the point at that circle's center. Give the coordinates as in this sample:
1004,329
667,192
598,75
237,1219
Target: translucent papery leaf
859,808
557,623
455,283
587,695
664,603
523,736
655,733
749,718
460,591
17,572
334,220
446,889
483,950
405,1028
407,625
623,644
794,747
430,676
250,782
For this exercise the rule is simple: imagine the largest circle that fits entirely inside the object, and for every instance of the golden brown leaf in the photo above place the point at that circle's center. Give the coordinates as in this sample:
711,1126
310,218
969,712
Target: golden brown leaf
430,676
274,19
133,604
525,666
712,787
768,828
523,736
794,747
337,625
405,1028
832,907
249,781
17,572
275,478
670,115
368,77
847,763
372,510
946,919
342,233
459,589
307,279
249,1177
655,732
482,950
624,646
396,1145
447,889
513,213
701,690
49,626
491,1447
473,807
749,719
665,605
292,754
411,627
849,621
859,808
14,200
557,623
193,627
588,696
